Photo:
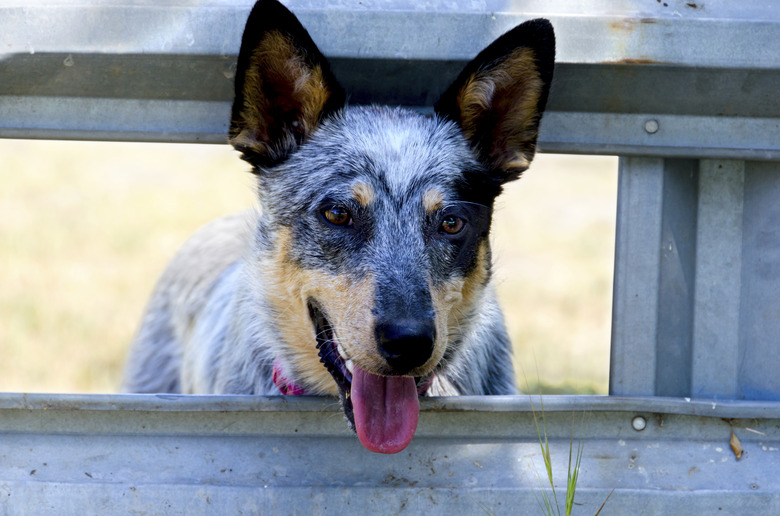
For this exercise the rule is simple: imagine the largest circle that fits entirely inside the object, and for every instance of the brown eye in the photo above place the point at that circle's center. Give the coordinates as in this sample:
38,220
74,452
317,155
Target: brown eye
337,215
451,224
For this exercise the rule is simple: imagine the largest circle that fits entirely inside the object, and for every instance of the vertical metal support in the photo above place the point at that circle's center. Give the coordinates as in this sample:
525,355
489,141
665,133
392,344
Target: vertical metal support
697,279
637,266
654,277
677,278
759,318
718,279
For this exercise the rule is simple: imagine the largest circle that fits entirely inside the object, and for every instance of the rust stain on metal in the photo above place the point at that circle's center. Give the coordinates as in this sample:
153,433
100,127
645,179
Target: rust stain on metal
626,25
629,24
633,61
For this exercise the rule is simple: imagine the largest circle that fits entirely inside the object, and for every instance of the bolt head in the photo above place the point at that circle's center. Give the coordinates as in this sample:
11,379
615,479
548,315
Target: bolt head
651,126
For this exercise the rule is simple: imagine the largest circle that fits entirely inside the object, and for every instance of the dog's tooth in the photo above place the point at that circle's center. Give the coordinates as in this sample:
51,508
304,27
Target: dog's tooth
342,353
350,366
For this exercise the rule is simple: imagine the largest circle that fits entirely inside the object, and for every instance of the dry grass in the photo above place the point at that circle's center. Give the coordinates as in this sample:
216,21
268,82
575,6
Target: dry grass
554,240
85,228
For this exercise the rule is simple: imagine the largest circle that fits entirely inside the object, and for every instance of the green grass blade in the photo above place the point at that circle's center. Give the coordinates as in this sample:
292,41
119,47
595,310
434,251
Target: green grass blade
544,444
573,472
605,502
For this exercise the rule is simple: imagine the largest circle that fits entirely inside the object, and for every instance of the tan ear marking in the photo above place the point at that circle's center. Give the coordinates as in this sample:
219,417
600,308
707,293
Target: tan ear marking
507,95
475,97
283,98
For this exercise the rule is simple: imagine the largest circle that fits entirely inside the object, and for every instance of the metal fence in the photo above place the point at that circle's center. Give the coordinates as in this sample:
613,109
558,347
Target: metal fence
687,93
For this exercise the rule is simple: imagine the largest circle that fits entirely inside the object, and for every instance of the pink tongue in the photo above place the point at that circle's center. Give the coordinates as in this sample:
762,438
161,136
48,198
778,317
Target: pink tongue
386,409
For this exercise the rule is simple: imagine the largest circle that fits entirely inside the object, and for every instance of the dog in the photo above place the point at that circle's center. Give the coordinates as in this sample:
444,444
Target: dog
366,271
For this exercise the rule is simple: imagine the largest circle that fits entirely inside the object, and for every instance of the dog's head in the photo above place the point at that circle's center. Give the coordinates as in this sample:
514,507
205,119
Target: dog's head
373,243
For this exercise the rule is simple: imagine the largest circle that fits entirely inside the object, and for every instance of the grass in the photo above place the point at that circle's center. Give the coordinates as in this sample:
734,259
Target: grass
551,506
548,500
554,248
86,228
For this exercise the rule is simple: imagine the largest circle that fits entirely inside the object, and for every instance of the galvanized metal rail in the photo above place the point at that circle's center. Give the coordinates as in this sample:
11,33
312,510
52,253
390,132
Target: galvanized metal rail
284,455
685,92
706,73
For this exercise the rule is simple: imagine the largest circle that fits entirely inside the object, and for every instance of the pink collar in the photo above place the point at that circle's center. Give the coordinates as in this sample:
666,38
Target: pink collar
290,388
285,385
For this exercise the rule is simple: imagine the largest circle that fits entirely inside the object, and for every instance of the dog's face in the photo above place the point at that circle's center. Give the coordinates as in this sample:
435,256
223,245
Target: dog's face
373,243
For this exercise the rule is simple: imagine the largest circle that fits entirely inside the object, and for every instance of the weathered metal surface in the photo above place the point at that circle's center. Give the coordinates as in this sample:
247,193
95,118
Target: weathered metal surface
706,72
218,455
697,279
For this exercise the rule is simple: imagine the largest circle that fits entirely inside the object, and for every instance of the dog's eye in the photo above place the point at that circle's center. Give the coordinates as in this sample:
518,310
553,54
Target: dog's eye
451,225
337,215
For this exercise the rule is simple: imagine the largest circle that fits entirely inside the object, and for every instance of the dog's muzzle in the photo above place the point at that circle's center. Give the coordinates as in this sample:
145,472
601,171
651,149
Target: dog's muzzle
383,410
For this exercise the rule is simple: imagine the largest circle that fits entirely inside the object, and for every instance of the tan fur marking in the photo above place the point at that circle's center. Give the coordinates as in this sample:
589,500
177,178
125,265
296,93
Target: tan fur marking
346,302
433,200
457,298
363,193
276,61
511,91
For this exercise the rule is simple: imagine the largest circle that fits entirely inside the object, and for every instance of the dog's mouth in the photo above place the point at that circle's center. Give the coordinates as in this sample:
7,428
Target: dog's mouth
382,410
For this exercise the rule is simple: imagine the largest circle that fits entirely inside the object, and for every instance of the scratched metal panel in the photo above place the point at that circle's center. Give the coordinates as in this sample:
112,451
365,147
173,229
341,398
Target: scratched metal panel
705,72
224,455
697,279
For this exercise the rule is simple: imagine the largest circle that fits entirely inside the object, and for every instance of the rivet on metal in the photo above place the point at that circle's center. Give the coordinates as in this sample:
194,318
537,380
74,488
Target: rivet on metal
651,126
639,423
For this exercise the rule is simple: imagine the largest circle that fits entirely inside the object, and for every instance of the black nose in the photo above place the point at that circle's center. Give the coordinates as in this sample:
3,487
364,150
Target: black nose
406,344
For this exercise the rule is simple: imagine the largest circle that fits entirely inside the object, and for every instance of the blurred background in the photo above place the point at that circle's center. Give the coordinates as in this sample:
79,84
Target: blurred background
87,227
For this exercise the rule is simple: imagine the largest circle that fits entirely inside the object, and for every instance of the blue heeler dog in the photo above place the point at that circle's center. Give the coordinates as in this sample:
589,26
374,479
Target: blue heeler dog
366,272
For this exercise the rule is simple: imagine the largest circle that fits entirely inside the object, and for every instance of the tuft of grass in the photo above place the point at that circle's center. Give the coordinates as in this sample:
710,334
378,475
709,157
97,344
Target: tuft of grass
573,472
550,505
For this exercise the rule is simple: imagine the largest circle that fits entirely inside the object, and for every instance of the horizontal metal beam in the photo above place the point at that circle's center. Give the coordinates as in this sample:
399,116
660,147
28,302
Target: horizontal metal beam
550,404
293,455
714,34
706,72
666,135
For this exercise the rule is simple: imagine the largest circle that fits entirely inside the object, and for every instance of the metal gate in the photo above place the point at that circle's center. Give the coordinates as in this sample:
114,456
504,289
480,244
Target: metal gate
687,93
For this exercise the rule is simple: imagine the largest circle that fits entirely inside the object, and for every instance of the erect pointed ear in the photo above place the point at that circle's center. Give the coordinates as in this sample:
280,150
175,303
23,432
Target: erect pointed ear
498,99
284,86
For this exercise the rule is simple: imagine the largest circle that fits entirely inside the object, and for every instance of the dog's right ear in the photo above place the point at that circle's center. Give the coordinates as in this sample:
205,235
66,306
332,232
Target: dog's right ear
284,86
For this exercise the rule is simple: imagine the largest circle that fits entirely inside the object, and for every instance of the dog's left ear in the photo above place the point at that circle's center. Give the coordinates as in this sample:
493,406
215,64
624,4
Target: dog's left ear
499,98
284,86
